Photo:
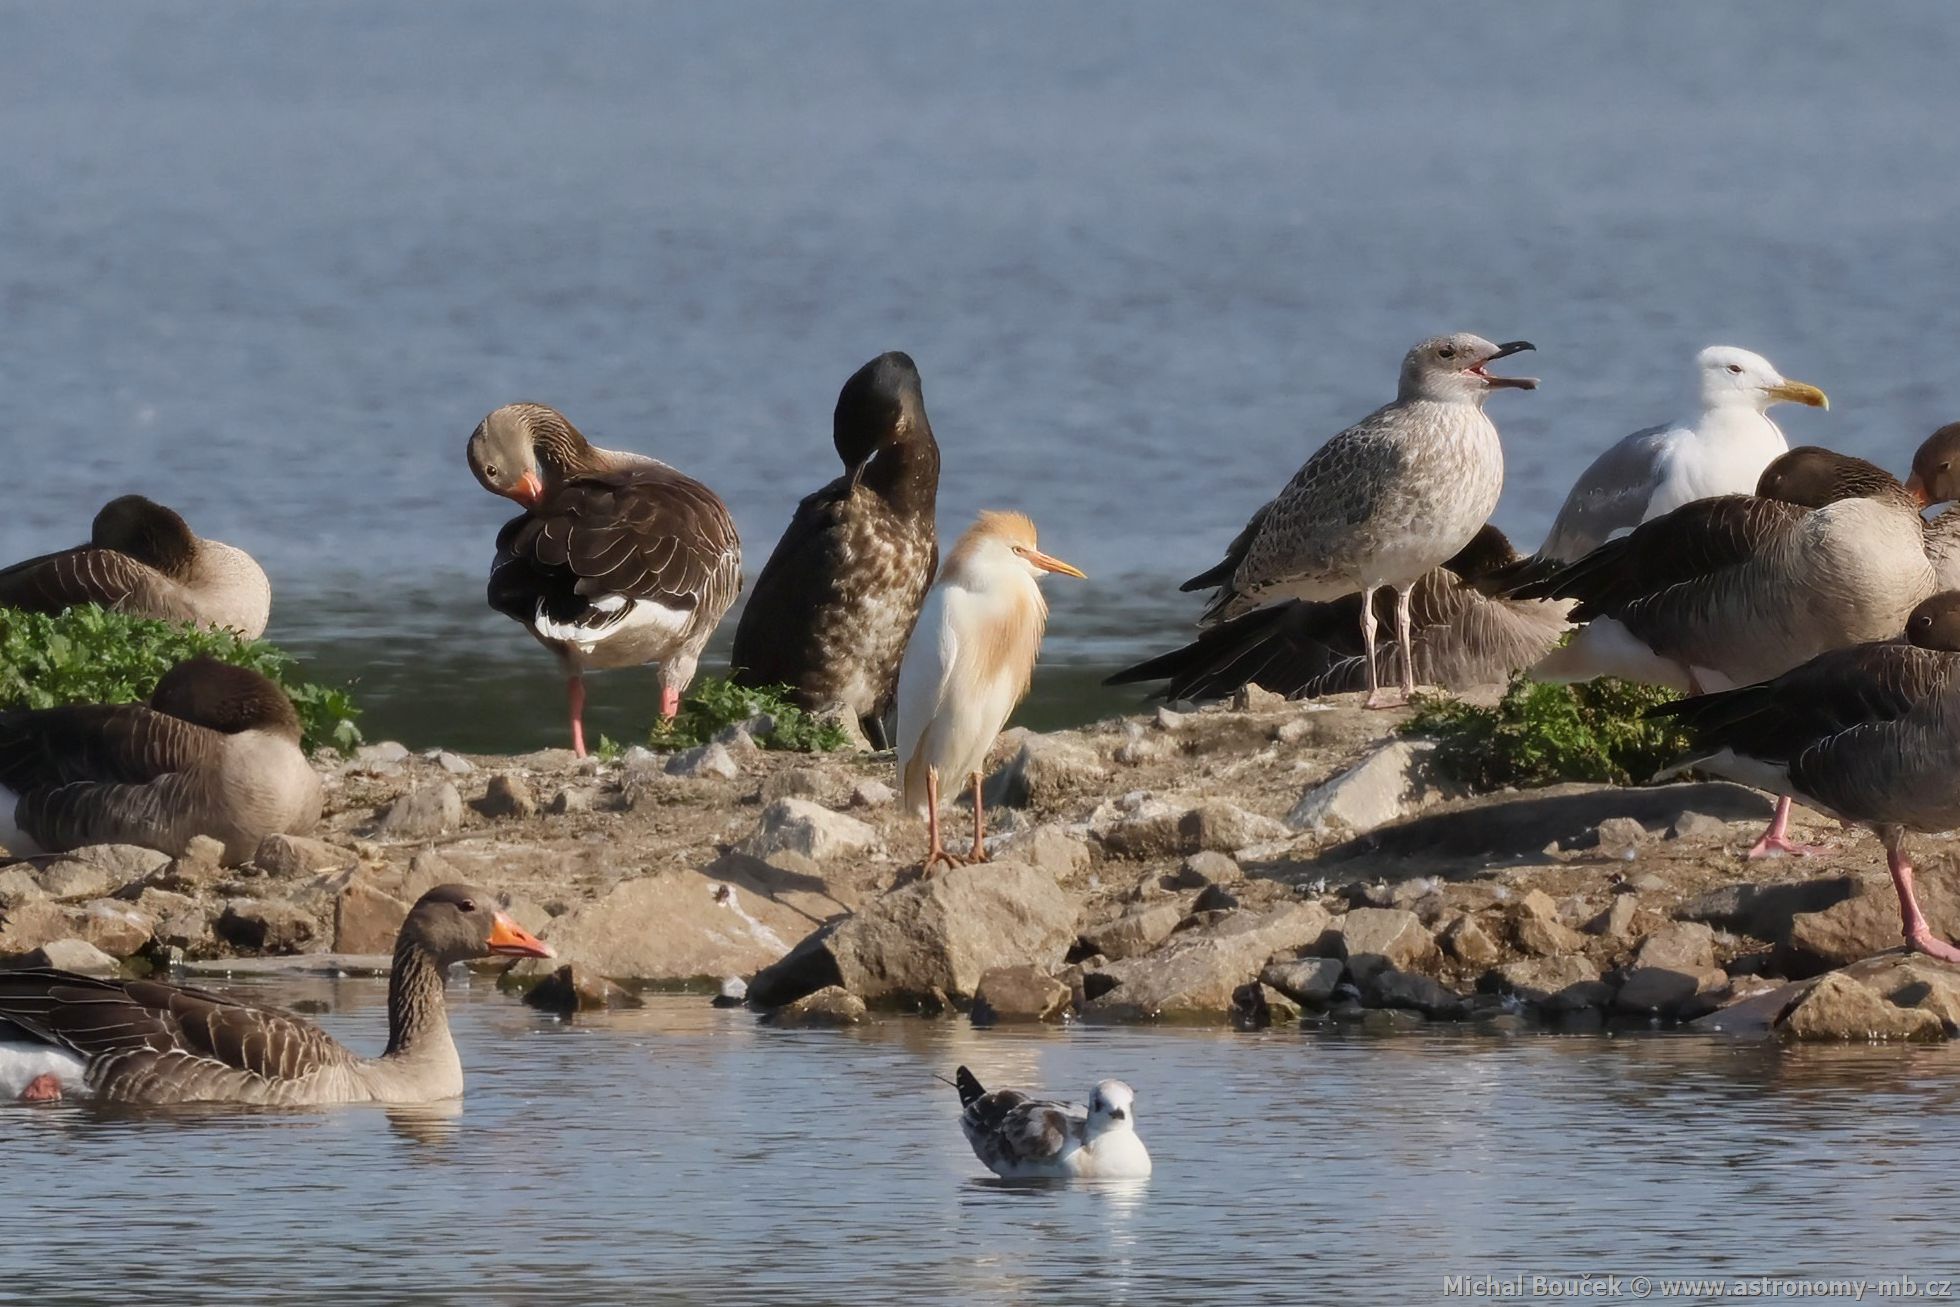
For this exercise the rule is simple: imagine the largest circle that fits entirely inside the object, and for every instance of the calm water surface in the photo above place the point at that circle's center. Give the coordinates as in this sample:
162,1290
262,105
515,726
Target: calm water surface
271,263
682,1154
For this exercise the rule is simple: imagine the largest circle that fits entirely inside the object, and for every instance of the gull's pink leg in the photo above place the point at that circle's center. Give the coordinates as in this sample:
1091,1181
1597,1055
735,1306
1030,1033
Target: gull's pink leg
575,700
1375,698
1917,932
1775,840
670,702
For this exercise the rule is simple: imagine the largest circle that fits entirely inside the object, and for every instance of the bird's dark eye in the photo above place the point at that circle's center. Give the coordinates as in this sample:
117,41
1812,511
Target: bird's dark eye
490,469
467,905
1448,351
1735,367
1944,466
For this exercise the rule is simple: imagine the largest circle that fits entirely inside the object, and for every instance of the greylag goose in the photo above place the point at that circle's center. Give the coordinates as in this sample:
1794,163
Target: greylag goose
144,1041
1721,592
1657,470
1935,479
1024,1138
1867,734
970,660
216,752
143,560
618,560
1463,637
1383,502
831,612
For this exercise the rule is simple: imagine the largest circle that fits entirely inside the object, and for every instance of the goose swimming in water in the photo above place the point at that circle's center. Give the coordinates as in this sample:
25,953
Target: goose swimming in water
145,1041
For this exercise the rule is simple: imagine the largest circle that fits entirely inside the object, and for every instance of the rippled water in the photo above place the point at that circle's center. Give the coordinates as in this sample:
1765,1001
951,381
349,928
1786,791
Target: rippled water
271,263
679,1153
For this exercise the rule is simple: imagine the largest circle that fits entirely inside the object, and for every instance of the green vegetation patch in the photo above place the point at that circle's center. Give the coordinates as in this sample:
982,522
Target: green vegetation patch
712,704
1540,734
91,655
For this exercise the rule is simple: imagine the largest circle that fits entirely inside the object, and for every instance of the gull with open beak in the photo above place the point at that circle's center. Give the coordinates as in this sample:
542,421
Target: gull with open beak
1657,469
1382,503
970,660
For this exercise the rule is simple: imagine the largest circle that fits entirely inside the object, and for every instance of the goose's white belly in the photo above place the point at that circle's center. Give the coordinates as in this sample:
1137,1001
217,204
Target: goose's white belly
23,1063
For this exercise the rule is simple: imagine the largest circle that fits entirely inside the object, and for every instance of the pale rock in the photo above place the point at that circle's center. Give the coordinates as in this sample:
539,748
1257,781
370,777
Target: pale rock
1537,929
1045,770
672,926
1050,848
809,829
77,955
425,811
1308,980
1221,827
112,926
1685,946
1616,922
267,926
1019,993
1391,987
508,795
1698,826
1137,931
1868,922
940,933
570,799
577,988
1836,1006
711,761
830,1006
299,855
366,920
739,742
73,879
1257,698
1469,943
453,763
1207,868
1393,781
123,862
1559,984
18,887
873,794
1373,938
1196,972
1620,837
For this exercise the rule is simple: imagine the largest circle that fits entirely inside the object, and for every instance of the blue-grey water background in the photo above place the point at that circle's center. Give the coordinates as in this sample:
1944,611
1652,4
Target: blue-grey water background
683,1154
270,264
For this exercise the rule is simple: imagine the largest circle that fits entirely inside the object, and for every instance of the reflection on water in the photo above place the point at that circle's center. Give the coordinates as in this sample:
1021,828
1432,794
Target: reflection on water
682,1153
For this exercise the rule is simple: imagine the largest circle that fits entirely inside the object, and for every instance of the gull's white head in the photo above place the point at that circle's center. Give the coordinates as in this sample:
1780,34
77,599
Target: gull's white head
1111,1107
1001,545
1451,368
1732,377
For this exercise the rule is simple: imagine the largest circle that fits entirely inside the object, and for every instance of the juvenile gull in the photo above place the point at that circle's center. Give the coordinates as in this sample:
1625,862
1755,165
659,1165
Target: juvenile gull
1868,734
1024,1138
1656,470
1720,592
1383,502
1462,637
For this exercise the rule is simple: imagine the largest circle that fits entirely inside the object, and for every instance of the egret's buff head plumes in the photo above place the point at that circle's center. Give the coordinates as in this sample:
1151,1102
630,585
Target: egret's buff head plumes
971,659
1731,376
1451,369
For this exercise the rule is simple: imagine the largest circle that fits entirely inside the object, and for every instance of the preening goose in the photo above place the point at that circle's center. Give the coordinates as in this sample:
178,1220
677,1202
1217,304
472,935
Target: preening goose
1462,636
1935,479
1383,502
1829,552
618,559
970,660
1655,471
144,1041
1869,734
1024,1138
831,612
143,560
216,751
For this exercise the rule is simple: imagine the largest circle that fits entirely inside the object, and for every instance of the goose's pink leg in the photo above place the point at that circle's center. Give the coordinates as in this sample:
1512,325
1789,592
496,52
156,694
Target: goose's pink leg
575,700
670,702
1917,932
45,1088
1775,840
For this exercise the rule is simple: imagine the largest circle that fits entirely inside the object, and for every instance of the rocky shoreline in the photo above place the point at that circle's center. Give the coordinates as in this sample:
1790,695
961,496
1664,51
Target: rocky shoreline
1263,862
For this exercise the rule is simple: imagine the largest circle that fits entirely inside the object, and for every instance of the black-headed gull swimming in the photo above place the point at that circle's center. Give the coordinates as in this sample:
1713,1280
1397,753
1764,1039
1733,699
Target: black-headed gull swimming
1024,1138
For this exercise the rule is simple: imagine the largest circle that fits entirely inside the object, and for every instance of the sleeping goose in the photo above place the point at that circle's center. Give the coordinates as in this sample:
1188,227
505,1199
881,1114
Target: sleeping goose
144,1041
618,559
1869,734
141,559
836,602
1023,1138
216,751
1829,552
1655,471
1382,502
1463,637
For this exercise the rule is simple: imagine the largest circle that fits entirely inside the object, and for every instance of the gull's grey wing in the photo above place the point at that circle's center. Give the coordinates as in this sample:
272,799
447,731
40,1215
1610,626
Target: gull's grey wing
1611,495
1008,1129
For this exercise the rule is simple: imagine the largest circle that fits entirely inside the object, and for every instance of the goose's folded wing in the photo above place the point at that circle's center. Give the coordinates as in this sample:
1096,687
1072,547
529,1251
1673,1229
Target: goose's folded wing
88,575
126,743
148,1028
